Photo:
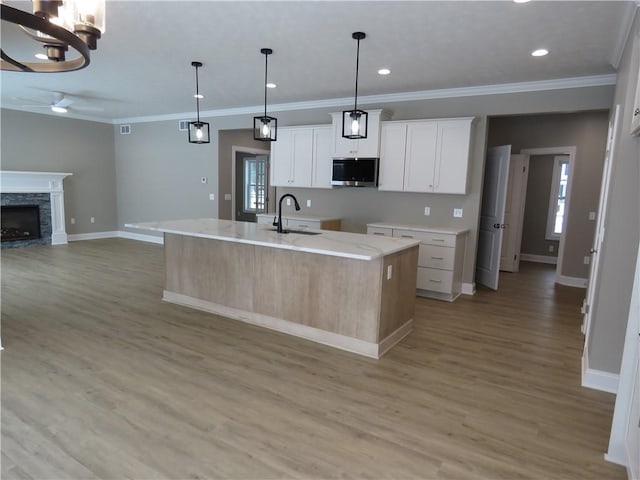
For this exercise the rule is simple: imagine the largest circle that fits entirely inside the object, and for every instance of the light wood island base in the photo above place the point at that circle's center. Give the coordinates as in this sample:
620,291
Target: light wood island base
346,303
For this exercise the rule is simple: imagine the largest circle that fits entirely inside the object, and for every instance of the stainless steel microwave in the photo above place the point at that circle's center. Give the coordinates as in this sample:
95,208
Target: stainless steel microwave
355,172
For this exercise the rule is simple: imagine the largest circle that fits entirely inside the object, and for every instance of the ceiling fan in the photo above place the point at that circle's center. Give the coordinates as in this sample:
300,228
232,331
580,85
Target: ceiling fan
62,103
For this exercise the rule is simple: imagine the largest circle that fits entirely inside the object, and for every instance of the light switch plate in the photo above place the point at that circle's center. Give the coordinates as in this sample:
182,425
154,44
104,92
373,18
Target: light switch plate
212,196
427,211
592,215
308,203
227,196
73,221
457,212
587,260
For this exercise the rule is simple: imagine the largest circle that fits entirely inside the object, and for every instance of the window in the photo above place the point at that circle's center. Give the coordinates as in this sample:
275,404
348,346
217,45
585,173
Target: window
558,198
254,184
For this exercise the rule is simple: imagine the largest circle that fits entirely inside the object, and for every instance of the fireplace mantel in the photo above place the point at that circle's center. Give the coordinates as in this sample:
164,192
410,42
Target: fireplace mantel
40,182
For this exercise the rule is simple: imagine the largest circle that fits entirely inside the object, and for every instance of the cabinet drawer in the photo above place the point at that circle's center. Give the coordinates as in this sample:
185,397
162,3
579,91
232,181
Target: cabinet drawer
293,223
428,238
435,280
387,232
435,256
265,219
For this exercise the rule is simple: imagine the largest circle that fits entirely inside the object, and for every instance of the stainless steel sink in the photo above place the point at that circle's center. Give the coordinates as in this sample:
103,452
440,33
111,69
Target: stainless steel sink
301,232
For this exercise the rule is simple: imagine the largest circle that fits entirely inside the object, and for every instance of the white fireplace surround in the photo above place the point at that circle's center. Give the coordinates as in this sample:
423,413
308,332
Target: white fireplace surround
40,182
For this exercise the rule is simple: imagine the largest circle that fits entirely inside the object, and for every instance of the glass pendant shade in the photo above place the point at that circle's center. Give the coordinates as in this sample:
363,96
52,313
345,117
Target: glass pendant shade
355,122
265,128
199,132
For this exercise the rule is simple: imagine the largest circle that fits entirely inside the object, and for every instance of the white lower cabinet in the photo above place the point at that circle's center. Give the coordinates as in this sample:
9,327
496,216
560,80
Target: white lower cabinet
440,257
301,222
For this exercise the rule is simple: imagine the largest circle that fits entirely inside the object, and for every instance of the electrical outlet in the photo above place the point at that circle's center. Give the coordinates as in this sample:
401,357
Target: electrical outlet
587,260
427,211
212,196
550,248
457,212
592,215
73,221
308,203
389,271
203,179
288,201
227,196
93,219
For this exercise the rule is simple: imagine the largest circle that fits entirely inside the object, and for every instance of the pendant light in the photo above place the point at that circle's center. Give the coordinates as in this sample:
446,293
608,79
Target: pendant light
198,131
354,122
265,128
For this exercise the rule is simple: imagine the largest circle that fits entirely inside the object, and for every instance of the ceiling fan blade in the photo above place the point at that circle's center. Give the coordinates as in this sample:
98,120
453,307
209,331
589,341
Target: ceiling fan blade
80,108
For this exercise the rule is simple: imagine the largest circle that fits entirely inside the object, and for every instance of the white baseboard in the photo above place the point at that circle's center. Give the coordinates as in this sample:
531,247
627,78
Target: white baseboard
597,379
469,288
528,257
141,237
116,234
92,236
571,281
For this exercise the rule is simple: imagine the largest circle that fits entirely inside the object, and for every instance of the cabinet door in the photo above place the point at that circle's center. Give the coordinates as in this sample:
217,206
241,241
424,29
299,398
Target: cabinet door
420,157
302,157
393,138
322,159
454,138
281,159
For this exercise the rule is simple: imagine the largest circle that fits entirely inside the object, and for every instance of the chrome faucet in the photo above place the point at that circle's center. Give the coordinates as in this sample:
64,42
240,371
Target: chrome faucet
296,204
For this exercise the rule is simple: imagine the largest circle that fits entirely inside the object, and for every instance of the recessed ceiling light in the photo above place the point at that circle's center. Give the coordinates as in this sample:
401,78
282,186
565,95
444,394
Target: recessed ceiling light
384,71
58,109
271,85
541,52
41,56
198,95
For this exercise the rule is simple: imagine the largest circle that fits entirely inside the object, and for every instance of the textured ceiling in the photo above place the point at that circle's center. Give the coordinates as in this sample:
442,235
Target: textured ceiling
143,63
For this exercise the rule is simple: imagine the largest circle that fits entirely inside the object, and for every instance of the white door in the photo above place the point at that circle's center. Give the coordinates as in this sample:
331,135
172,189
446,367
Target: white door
514,213
494,195
588,307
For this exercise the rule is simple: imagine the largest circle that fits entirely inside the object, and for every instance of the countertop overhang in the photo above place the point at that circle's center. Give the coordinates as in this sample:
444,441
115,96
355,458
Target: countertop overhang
338,244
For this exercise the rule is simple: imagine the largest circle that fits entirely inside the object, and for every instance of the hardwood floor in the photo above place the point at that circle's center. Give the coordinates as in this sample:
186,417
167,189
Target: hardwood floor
101,379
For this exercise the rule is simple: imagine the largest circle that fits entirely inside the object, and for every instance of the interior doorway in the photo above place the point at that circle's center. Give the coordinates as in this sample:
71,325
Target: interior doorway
250,183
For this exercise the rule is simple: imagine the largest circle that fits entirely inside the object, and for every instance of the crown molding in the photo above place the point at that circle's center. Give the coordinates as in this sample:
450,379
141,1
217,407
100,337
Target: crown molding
631,12
504,88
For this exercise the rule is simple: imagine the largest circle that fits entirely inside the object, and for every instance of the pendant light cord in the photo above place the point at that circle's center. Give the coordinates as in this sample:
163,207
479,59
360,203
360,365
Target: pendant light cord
355,107
197,96
266,57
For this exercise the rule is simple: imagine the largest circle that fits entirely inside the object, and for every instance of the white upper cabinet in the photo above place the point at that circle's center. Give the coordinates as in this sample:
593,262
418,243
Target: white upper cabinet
428,156
363,147
322,160
301,157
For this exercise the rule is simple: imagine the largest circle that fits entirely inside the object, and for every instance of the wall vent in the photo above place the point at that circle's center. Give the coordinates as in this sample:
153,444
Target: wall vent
125,129
183,125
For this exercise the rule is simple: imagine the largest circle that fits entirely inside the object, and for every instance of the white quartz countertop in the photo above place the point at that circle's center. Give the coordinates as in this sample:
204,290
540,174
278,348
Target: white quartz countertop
419,228
338,244
305,218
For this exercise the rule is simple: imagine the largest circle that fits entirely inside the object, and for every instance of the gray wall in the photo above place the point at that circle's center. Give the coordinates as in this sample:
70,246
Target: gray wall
587,131
48,143
536,209
226,140
619,250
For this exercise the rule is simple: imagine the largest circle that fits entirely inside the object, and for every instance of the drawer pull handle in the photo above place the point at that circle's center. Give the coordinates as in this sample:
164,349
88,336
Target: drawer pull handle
378,233
437,258
435,281
406,236
437,239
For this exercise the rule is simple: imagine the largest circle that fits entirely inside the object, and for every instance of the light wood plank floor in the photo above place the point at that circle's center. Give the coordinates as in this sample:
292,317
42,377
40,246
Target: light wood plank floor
101,379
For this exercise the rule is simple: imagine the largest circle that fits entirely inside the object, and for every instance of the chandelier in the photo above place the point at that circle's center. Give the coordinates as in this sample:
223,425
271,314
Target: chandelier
58,26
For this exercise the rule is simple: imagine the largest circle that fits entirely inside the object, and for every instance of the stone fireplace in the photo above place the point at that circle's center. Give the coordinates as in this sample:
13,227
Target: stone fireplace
32,208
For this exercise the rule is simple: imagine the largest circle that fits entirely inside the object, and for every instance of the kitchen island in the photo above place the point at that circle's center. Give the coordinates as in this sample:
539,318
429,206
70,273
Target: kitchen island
351,291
